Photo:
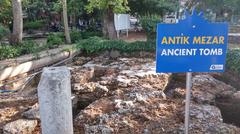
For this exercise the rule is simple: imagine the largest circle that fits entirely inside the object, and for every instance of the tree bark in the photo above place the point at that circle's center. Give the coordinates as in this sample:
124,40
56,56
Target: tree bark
65,21
105,25
108,25
17,33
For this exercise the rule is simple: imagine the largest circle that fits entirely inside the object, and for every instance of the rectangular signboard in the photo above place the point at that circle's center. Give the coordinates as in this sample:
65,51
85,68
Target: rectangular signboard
192,45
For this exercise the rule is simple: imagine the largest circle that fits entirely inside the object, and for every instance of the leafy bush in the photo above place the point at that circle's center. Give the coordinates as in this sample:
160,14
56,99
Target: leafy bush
88,34
34,25
54,40
28,47
97,44
233,60
3,31
149,24
75,36
7,51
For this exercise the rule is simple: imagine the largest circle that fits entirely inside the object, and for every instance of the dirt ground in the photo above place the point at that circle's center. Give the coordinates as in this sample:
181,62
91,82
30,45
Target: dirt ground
133,36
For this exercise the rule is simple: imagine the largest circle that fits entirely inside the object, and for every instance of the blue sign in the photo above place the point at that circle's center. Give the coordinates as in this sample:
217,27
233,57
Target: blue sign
192,45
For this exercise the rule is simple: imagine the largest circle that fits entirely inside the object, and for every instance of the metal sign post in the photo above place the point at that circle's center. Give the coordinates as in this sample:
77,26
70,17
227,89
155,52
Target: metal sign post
188,99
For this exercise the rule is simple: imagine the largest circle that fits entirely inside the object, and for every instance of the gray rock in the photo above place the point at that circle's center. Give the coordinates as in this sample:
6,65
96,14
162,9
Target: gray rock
105,54
124,81
206,88
82,75
98,129
33,113
236,95
101,89
205,113
115,54
146,131
81,60
179,93
20,126
208,119
54,96
90,88
221,128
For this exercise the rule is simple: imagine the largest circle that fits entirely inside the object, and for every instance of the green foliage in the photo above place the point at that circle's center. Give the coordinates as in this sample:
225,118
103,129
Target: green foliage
57,6
220,7
3,31
54,40
146,7
5,12
75,36
118,6
28,47
88,34
216,5
149,24
97,44
7,51
233,60
35,8
34,25
76,7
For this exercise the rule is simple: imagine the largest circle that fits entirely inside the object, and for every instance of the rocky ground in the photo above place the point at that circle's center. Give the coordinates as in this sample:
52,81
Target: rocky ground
125,95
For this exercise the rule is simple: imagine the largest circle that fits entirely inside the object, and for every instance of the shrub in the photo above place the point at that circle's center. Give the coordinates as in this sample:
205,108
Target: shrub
97,44
3,32
88,34
28,47
7,51
75,36
34,25
54,40
149,25
233,60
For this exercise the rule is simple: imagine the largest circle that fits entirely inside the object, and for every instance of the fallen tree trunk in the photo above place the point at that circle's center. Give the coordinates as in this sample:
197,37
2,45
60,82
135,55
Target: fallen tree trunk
32,65
25,58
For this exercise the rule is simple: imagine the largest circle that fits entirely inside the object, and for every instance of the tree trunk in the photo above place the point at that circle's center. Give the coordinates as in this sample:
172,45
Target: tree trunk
108,25
105,25
16,36
74,21
65,21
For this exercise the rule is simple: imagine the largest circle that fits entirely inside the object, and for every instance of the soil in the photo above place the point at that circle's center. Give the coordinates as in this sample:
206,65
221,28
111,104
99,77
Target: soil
134,36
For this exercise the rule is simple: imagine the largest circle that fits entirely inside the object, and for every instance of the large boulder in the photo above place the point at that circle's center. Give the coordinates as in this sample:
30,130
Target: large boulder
136,110
205,89
115,54
100,77
32,113
207,119
20,126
